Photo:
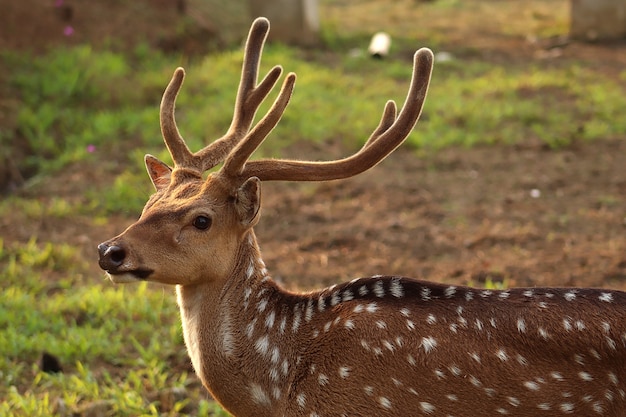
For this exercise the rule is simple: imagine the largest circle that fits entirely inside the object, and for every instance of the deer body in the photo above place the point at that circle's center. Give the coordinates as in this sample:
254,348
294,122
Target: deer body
390,346
384,346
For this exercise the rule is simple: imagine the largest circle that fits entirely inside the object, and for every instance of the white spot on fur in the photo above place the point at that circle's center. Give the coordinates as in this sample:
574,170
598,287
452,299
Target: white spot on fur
226,333
296,319
585,376
344,371
261,305
259,396
384,402
308,314
411,360
475,356
321,303
371,308
379,291
455,370
246,297
269,320
479,325
514,401
250,328
428,343
396,288
567,324
322,379
275,355
521,325
427,408
250,270
262,345
606,297
349,324
449,292
531,385
301,400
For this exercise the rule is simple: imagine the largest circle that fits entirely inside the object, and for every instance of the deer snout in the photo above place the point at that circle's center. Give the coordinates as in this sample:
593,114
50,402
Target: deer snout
115,260
111,257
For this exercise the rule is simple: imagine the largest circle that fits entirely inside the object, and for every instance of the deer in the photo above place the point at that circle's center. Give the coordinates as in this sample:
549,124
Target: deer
379,345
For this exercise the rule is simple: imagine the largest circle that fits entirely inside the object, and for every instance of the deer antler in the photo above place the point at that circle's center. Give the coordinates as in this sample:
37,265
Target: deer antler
389,134
249,98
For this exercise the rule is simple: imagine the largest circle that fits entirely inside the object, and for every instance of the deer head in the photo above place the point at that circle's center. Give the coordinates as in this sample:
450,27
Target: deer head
191,228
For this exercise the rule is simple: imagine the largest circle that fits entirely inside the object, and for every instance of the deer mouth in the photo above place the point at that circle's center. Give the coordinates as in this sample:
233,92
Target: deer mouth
122,277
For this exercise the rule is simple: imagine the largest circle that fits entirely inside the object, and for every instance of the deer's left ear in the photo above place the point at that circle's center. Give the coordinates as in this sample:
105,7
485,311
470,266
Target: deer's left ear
159,172
248,201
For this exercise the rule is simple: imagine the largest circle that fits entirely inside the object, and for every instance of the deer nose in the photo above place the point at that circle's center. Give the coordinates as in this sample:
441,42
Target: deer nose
111,256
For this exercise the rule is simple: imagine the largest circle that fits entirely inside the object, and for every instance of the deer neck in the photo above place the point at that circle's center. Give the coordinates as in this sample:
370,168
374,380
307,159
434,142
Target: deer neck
233,332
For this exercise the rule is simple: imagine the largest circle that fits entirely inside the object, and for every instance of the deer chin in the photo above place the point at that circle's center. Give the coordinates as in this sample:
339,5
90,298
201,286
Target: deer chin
129,276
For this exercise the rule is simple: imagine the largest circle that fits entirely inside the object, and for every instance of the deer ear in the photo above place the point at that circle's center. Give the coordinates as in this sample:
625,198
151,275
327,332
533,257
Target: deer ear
248,201
158,171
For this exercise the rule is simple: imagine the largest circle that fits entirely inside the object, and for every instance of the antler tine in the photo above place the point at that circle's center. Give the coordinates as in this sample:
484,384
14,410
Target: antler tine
181,155
386,121
389,134
236,161
249,98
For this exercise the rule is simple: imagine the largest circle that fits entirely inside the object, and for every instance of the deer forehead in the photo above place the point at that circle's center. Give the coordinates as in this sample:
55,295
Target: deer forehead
190,196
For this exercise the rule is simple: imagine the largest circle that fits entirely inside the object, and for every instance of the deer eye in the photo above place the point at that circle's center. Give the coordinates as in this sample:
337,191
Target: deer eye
202,222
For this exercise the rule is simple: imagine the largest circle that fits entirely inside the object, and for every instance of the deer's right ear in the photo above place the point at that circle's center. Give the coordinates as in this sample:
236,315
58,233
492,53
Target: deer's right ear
159,172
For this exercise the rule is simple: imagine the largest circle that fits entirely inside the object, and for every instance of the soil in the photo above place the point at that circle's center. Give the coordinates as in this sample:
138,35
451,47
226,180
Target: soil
524,215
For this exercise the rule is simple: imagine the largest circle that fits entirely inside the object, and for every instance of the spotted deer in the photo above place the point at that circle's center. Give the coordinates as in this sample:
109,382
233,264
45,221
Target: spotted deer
382,345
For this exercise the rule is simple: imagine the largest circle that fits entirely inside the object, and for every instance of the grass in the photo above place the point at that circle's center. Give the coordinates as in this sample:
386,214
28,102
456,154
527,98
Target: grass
121,347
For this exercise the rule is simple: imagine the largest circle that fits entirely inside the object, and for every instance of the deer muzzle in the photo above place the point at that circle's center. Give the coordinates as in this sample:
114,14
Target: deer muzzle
115,261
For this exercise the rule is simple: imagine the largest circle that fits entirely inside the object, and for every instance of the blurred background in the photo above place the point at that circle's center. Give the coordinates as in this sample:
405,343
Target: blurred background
514,176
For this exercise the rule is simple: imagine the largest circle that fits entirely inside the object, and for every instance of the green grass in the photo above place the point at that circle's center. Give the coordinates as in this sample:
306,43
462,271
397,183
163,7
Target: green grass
119,345
116,344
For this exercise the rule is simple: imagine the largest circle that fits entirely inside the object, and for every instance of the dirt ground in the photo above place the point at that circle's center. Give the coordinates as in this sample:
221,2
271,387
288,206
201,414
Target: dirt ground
525,215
